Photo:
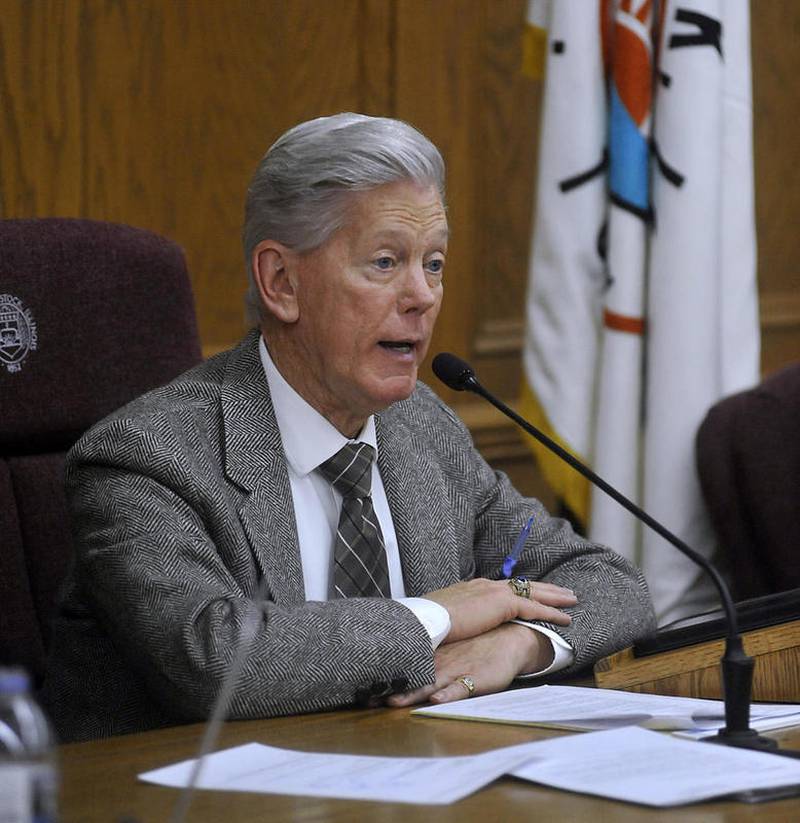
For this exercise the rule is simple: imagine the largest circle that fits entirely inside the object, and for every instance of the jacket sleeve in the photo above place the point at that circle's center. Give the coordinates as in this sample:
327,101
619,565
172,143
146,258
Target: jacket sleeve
614,607
168,574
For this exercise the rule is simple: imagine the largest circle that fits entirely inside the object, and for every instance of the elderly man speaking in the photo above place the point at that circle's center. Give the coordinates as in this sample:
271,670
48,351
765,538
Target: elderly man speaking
304,492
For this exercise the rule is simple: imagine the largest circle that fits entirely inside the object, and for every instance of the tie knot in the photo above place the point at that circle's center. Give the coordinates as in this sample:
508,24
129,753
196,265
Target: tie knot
349,471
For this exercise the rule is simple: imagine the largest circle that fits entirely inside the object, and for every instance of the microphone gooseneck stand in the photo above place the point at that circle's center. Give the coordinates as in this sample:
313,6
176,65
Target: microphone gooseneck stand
736,665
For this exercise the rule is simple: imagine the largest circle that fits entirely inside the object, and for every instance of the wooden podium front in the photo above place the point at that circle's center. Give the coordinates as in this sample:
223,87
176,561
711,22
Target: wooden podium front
694,671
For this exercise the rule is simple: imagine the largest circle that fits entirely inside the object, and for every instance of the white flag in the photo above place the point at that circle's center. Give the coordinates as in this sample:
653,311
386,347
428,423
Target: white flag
642,307
703,333
567,274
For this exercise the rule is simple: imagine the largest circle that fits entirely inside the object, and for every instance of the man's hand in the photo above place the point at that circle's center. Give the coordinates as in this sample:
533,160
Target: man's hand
492,660
477,606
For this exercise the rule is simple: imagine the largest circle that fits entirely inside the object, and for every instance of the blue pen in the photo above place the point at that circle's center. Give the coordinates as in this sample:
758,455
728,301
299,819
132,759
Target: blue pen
511,560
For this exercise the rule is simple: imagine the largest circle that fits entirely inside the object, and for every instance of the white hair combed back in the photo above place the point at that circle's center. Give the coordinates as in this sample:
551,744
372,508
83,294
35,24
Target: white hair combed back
297,193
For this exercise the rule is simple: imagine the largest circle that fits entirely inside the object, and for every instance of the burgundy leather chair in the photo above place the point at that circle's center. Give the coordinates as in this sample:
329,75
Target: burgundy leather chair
748,459
92,314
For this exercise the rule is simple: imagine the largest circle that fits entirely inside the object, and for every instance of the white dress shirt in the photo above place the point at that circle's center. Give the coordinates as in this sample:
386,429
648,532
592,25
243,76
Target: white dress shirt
308,440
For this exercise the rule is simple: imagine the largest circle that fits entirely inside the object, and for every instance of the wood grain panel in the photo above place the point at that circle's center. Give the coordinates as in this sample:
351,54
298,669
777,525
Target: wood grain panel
376,52
41,155
279,64
123,114
776,97
183,99
509,128
438,59
156,114
694,671
780,329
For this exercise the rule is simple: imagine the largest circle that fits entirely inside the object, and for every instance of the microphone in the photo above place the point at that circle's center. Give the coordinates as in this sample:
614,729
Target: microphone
736,665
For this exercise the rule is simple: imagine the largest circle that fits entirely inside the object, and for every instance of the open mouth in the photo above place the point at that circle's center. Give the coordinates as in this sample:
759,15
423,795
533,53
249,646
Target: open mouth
402,346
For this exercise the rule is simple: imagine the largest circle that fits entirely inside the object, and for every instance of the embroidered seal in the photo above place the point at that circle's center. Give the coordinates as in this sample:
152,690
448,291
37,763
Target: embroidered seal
18,334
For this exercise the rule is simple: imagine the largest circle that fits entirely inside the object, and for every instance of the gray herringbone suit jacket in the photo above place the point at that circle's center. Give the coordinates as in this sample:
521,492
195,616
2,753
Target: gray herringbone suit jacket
181,503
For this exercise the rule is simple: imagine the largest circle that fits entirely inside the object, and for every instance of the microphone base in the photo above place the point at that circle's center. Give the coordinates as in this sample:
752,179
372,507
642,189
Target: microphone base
750,739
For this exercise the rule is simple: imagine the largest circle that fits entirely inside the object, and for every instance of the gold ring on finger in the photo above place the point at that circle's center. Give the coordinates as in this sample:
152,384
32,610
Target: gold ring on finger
520,586
468,683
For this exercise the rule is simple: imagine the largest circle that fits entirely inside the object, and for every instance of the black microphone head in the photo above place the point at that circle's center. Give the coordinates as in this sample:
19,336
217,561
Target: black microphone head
453,371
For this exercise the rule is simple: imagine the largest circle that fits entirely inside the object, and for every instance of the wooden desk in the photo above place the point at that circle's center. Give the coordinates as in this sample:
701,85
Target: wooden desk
99,778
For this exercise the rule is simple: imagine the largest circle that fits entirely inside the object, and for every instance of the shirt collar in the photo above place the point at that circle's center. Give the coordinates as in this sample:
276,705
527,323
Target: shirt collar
308,438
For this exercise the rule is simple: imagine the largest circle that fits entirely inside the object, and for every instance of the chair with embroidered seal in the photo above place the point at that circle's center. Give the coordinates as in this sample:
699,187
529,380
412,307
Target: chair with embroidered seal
92,314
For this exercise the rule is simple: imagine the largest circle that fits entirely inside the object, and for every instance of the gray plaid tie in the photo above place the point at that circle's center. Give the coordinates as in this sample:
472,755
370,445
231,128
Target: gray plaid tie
359,567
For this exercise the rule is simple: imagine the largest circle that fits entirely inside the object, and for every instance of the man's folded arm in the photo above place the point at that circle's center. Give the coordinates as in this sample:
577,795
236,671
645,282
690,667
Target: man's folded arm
177,613
613,607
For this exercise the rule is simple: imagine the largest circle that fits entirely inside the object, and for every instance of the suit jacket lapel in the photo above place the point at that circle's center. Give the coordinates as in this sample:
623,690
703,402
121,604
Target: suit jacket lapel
255,462
422,518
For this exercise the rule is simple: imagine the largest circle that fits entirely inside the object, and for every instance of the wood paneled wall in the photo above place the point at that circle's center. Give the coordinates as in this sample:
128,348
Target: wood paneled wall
776,101
155,113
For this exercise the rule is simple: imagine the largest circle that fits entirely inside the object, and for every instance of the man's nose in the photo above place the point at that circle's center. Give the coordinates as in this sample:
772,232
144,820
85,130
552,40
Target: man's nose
419,290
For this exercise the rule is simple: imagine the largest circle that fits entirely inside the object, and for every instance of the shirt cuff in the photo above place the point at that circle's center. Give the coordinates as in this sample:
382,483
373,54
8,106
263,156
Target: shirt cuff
435,618
563,655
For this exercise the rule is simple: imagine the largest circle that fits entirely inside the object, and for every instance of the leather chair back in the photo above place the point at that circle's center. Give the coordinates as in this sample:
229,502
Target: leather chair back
92,314
748,460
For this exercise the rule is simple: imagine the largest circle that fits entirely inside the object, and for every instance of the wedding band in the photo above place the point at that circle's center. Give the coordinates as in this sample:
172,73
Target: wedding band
521,587
468,683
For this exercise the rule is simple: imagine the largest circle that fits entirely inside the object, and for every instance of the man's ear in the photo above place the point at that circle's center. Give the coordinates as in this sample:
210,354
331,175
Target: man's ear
272,264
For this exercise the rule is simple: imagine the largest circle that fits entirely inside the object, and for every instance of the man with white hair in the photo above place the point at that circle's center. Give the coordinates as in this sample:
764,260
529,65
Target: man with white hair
303,500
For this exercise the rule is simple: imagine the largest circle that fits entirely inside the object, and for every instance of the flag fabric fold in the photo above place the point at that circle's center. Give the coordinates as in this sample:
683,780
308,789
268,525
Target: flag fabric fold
642,301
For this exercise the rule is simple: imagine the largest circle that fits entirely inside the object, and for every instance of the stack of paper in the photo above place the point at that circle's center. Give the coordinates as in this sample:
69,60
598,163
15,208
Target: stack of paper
586,709
258,768
641,766
631,764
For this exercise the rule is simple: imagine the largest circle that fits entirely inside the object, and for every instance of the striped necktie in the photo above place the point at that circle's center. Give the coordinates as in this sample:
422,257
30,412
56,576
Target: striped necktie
359,556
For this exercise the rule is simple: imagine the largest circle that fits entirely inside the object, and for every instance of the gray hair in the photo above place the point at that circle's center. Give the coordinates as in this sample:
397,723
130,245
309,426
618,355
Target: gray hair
297,195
